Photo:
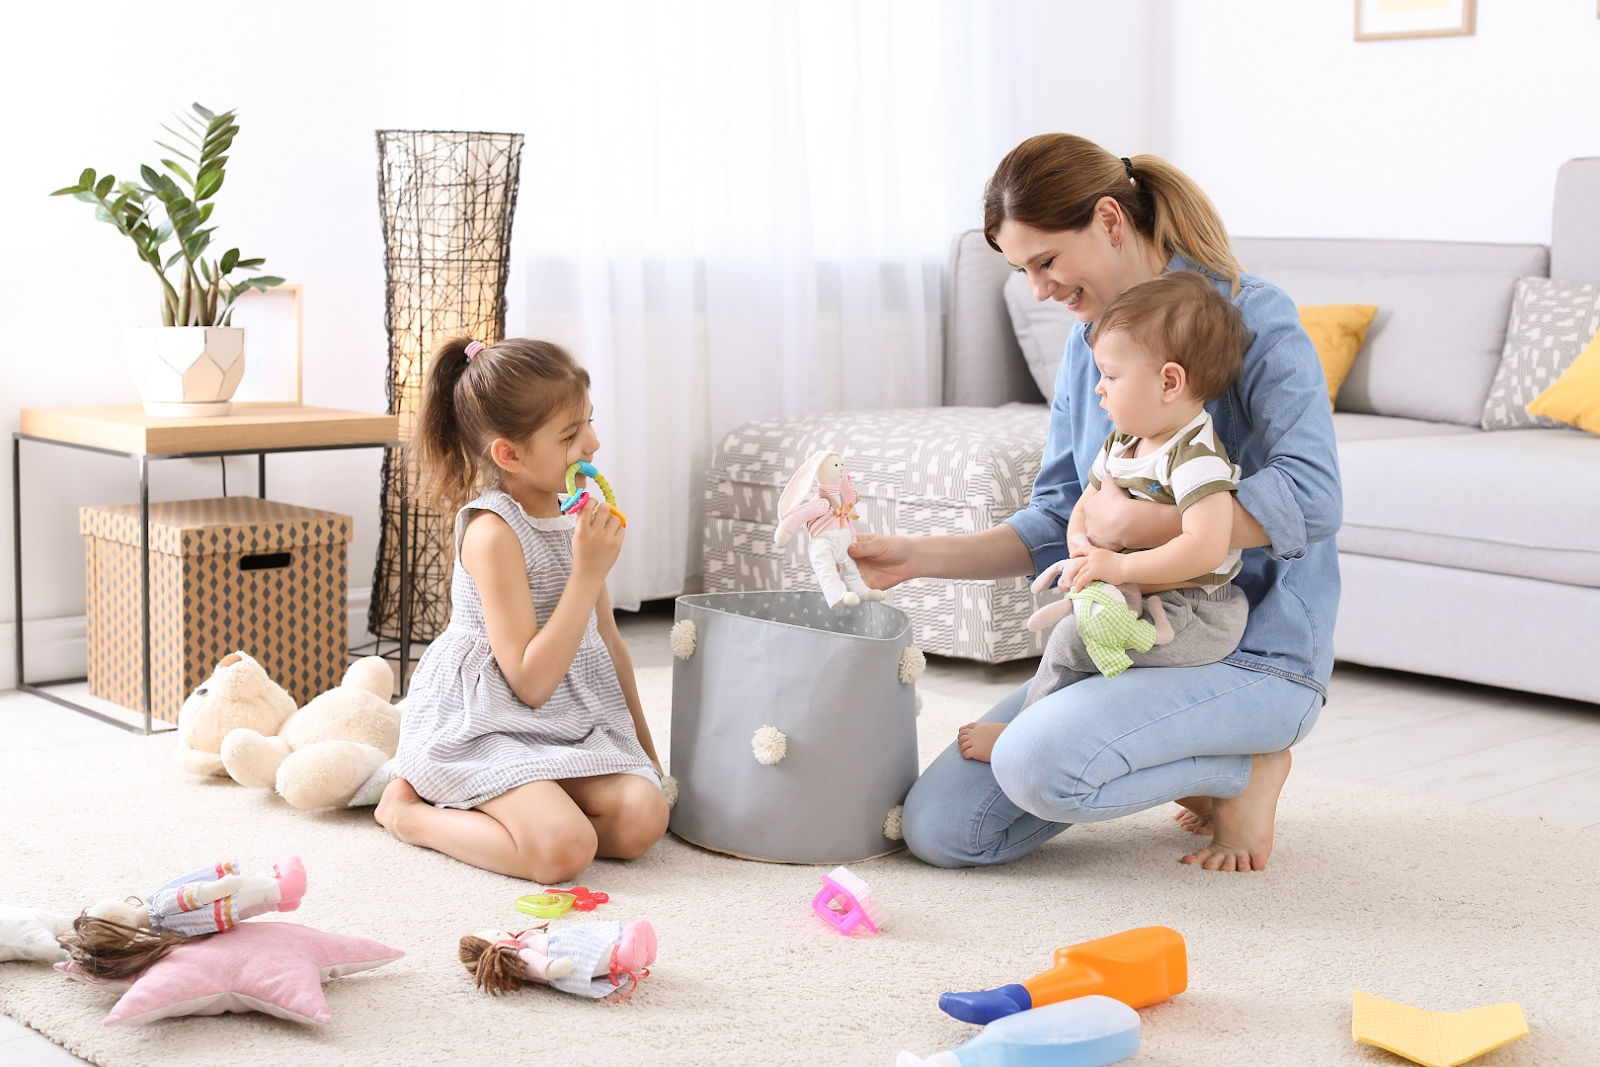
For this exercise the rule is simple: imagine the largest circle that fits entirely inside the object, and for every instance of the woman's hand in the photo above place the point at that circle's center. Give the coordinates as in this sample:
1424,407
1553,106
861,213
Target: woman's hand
1116,520
884,559
1095,565
596,541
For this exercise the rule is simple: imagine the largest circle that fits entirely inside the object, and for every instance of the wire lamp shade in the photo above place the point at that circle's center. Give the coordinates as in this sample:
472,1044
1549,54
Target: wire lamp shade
447,200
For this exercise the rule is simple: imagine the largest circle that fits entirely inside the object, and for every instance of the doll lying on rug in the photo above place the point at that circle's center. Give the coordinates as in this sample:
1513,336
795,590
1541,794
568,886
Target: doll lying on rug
828,514
117,939
589,959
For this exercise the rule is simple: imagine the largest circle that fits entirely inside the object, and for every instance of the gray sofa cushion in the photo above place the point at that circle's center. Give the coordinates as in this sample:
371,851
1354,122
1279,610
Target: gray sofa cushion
1524,504
1042,328
1354,426
1551,322
1433,347
983,366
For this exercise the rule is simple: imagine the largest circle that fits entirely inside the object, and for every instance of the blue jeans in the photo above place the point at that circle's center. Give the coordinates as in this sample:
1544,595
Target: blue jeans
1098,749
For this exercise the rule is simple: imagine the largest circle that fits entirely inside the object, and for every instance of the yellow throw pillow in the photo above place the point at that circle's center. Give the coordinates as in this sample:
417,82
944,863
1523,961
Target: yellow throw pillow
1575,397
1337,331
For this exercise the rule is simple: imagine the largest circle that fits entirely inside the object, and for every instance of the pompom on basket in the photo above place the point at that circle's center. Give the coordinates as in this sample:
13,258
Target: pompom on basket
781,674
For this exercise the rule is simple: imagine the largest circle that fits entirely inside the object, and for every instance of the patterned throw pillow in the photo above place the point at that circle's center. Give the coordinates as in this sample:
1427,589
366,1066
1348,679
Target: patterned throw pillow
1550,323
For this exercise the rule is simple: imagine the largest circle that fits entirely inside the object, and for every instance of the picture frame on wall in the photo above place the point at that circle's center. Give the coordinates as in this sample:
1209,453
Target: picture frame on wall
1387,20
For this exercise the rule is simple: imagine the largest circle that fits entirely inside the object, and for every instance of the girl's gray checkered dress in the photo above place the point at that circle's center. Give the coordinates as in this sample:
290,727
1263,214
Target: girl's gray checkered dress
465,737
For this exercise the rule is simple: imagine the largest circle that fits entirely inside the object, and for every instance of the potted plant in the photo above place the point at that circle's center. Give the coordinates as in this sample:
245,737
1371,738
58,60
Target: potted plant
192,363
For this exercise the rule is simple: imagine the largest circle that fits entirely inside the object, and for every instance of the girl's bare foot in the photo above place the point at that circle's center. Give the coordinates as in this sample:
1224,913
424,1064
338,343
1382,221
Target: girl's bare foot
1242,838
1196,815
397,802
977,739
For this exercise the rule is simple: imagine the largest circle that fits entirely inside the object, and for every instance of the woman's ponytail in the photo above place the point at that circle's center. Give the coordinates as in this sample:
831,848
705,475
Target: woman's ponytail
1183,218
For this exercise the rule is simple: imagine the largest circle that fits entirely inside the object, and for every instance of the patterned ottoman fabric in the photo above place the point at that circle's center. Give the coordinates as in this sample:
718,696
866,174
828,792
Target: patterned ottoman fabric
919,471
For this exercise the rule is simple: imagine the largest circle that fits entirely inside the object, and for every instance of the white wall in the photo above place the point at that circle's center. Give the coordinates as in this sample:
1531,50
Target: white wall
1297,129
89,86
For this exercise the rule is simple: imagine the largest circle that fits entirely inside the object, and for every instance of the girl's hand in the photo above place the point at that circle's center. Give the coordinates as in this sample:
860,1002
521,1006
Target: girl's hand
884,560
1097,565
596,541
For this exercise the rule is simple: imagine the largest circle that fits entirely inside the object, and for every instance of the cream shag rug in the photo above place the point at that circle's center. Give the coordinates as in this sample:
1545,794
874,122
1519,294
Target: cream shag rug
1410,899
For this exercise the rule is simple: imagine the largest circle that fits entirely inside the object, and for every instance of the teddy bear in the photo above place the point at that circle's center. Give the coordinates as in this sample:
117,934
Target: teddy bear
239,694
322,755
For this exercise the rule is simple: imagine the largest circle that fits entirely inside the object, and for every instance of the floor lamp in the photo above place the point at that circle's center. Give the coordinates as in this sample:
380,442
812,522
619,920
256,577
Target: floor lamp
447,200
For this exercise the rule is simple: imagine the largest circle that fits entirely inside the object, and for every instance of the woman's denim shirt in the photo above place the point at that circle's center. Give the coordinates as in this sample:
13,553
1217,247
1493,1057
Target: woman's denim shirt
1277,426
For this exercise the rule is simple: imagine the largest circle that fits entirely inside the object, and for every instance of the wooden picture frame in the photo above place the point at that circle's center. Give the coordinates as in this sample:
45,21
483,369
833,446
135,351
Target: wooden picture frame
273,345
1388,20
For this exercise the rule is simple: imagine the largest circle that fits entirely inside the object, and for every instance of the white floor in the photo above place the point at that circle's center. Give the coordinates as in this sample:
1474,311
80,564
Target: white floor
1493,749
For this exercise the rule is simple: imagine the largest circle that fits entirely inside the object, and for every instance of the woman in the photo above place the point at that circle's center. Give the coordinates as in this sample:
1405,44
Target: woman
1084,225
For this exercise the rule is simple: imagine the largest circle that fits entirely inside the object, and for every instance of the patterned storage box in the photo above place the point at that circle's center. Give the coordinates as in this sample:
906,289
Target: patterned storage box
794,726
231,573
919,471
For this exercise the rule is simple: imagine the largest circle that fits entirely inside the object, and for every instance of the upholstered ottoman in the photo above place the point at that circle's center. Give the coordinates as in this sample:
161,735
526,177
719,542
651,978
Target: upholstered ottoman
794,729
919,471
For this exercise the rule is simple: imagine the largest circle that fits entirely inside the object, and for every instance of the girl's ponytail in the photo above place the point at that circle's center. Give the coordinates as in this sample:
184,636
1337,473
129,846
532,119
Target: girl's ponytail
448,472
1052,182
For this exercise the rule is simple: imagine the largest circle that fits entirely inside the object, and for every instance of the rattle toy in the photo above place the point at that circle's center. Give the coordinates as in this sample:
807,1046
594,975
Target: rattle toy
1139,967
576,498
545,905
845,903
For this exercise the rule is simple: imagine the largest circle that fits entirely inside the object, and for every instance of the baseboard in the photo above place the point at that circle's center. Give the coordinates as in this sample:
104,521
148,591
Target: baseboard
58,648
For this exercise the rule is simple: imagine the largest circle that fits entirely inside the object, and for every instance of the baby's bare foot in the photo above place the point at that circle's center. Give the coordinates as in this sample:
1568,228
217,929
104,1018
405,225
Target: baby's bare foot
394,807
1196,815
1242,834
977,739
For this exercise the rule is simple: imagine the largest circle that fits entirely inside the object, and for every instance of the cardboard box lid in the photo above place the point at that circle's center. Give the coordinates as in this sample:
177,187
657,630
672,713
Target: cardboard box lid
241,525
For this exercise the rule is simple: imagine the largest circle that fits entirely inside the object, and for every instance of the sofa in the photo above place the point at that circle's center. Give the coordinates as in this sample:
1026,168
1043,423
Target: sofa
1486,570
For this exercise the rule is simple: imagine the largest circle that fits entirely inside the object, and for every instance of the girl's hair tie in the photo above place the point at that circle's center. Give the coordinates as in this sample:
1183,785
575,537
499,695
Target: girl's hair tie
1127,165
473,348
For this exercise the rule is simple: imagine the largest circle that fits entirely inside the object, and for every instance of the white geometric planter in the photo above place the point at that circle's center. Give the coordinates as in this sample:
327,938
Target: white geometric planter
185,371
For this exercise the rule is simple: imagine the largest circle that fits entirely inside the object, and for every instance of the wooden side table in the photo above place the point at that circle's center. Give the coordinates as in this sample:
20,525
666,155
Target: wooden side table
125,430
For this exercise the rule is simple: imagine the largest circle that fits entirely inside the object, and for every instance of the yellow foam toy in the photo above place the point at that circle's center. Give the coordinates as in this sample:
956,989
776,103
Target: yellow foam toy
1434,1038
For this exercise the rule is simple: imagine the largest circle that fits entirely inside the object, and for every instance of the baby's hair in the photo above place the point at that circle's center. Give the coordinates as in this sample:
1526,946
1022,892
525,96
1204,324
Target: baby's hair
1179,317
508,389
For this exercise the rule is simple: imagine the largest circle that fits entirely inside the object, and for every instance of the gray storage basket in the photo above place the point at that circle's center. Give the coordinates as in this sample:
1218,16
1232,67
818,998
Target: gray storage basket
837,684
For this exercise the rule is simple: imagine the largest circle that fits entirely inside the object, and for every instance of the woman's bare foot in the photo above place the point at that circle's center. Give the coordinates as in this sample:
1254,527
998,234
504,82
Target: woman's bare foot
977,739
1196,815
1242,838
394,807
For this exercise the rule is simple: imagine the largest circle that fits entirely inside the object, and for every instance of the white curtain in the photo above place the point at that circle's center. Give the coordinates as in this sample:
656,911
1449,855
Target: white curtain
742,210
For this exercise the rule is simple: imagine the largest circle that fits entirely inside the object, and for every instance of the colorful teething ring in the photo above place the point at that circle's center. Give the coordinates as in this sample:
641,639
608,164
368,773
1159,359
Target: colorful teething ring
576,498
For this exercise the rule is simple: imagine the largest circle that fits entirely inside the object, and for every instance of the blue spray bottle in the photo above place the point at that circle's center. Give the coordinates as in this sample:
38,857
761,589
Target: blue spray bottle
1083,1032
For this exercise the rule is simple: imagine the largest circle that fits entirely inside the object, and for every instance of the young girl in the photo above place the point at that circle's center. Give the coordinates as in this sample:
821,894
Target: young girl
523,748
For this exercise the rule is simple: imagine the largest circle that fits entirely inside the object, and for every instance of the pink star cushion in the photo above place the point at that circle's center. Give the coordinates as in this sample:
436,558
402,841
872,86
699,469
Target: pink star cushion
272,967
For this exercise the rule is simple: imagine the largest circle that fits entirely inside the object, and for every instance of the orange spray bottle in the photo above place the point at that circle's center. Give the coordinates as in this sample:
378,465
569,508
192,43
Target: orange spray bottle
1139,967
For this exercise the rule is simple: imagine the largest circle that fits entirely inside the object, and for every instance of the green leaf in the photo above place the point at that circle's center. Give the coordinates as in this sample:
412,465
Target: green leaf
103,189
180,135
246,264
151,178
174,258
208,115
263,282
230,260
208,184
163,232
68,189
86,195
86,179
103,215
179,171
216,147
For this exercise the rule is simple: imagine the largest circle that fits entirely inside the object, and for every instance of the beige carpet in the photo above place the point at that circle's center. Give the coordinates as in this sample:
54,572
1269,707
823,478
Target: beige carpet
1406,898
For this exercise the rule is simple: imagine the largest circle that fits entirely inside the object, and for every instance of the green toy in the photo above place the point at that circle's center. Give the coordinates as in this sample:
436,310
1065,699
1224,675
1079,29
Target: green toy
1111,629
